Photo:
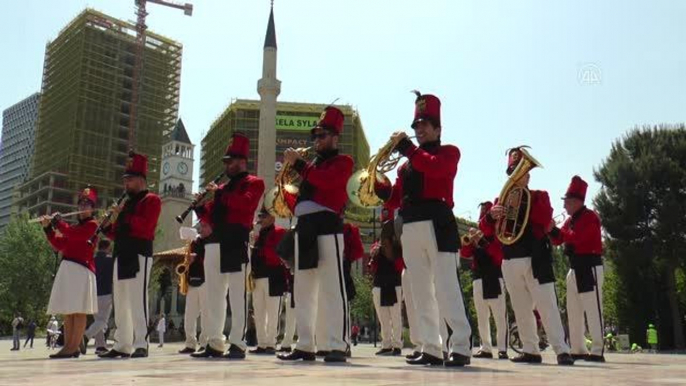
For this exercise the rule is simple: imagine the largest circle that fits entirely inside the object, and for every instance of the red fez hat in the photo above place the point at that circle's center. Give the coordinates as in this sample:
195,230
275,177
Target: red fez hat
239,147
485,207
89,194
514,155
427,108
577,189
331,119
136,166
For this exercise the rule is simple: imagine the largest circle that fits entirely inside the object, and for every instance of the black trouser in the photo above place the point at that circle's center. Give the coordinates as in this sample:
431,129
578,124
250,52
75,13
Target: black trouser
30,337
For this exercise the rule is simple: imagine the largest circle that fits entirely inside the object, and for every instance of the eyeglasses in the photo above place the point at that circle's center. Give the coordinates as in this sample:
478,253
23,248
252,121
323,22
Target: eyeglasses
321,135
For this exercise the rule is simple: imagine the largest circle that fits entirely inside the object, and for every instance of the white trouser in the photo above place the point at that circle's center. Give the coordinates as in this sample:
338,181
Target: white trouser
217,284
101,319
484,309
131,308
526,293
412,322
321,299
195,307
590,304
390,318
160,337
289,328
435,284
266,313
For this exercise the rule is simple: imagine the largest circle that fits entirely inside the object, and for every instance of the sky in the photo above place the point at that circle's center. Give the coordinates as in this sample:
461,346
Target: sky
566,77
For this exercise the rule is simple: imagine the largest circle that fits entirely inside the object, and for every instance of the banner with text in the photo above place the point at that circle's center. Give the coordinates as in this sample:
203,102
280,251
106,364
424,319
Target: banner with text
295,123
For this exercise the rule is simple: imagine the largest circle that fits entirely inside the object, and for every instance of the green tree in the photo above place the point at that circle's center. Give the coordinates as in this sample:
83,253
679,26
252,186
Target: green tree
27,263
362,307
642,207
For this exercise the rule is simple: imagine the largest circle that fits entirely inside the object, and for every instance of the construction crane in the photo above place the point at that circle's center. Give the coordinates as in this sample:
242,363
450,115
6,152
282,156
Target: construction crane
141,28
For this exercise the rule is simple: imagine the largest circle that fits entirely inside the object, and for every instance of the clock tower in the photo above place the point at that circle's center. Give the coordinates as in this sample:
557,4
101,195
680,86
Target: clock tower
176,183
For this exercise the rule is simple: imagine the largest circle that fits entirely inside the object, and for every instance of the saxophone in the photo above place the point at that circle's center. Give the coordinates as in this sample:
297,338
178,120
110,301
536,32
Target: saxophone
182,269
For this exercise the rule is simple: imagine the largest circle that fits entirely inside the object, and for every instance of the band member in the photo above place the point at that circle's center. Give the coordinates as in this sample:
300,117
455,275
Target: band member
103,273
133,233
386,265
196,295
74,292
430,241
528,271
270,282
319,281
583,245
230,214
486,257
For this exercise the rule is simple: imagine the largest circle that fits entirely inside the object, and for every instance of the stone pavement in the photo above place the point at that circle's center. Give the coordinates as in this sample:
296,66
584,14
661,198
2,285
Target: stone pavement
165,367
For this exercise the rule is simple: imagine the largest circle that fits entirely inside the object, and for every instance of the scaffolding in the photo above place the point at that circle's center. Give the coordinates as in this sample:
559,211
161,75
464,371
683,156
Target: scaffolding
87,94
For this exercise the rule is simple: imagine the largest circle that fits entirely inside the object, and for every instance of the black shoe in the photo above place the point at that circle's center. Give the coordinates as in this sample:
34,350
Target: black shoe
502,355
100,350
335,356
384,351
259,350
75,354
397,352
321,353
201,349
426,359
414,355
187,350
565,360
208,352
114,354
483,354
140,353
296,355
235,352
84,345
579,357
527,358
457,360
284,349
595,358
270,351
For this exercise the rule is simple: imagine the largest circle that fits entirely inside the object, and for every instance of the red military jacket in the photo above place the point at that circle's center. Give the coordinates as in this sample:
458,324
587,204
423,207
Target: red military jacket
398,262
140,221
581,232
267,251
438,166
238,198
353,249
540,215
493,249
73,241
324,180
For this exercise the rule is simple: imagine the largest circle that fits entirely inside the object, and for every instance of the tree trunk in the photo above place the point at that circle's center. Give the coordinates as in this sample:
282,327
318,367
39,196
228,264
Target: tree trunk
679,343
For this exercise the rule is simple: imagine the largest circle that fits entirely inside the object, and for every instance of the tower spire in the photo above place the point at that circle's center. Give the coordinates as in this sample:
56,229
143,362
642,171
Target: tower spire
270,38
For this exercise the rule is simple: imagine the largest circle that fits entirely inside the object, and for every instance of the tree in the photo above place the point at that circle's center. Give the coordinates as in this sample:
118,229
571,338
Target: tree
642,205
362,307
27,263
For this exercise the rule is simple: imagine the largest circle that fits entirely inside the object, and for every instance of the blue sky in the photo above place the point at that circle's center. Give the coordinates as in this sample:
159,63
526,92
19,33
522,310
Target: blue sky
567,77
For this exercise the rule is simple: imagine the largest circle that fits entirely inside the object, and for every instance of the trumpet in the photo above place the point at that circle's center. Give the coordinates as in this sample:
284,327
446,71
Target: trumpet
286,181
38,219
360,186
182,217
470,238
106,220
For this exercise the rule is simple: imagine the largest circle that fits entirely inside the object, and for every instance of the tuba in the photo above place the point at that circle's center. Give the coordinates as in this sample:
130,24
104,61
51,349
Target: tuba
517,201
361,184
286,181
182,269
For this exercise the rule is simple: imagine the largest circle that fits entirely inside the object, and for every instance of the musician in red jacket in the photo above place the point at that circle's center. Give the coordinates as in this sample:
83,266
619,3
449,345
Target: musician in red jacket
583,245
430,240
320,293
74,292
528,271
230,213
133,233
270,282
486,256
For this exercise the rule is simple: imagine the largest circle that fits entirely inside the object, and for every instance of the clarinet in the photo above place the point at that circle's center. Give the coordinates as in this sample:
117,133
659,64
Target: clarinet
180,218
107,218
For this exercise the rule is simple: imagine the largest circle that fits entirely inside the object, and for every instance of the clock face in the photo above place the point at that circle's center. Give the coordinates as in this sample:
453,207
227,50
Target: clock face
182,168
165,168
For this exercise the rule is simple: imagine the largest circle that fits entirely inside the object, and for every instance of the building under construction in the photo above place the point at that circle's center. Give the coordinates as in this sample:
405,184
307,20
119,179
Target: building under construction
84,114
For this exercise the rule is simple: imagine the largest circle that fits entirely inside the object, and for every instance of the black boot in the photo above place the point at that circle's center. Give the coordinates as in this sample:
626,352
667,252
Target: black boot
100,350
259,350
414,355
235,352
187,350
208,352
140,353
457,360
483,354
75,354
321,353
565,360
527,358
384,351
284,349
297,355
595,358
114,354
335,356
579,357
426,359
397,352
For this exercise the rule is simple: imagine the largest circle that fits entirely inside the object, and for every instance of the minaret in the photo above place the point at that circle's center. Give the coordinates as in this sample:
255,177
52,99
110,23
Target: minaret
269,88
